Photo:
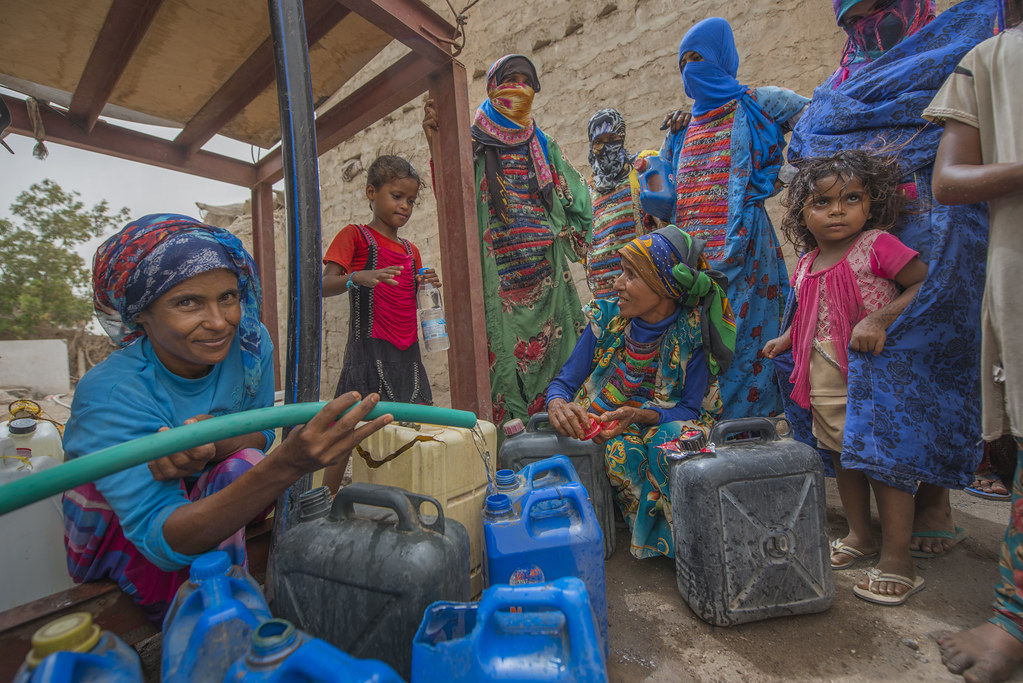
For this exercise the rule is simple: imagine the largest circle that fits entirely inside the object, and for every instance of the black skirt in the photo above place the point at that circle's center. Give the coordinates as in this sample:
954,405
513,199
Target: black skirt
378,366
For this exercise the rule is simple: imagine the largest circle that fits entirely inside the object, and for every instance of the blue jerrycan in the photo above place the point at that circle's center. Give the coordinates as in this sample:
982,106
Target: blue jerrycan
280,653
656,187
538,474
526,634
555,534
751,539
209,623
72,649
360,571
540,441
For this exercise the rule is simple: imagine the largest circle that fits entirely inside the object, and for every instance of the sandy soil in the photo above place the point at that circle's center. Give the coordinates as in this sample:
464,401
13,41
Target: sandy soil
655,637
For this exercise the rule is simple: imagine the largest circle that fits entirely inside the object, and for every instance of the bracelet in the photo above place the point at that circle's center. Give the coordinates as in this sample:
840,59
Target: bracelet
349,284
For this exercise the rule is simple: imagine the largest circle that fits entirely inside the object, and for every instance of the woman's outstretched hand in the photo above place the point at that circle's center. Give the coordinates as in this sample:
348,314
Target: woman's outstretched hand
676,120
325,439
570,419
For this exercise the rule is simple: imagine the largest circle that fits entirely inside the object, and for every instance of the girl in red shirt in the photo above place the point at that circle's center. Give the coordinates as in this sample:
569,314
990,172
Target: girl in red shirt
379,270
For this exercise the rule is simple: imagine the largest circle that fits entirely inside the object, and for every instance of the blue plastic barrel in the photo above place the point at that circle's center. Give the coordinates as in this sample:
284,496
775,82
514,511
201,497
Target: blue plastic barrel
527,634
72,649
209,624
554,533
280,653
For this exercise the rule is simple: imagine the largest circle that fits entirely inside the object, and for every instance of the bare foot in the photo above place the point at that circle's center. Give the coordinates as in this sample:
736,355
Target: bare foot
982,654
932,512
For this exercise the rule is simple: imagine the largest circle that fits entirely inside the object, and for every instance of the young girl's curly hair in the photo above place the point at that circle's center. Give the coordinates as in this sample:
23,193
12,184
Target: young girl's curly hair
388,168
879,173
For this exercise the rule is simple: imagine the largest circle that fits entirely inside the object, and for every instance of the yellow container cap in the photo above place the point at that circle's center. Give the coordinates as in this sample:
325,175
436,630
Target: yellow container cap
71,633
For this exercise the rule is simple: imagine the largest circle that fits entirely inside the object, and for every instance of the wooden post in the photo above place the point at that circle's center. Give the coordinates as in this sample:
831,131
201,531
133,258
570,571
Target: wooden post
265,253
468,363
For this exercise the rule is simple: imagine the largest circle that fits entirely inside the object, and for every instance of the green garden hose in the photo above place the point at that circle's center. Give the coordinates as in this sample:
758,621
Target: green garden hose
82,470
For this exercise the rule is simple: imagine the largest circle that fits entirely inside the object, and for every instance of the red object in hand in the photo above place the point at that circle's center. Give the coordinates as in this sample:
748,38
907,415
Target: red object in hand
596,426
640,165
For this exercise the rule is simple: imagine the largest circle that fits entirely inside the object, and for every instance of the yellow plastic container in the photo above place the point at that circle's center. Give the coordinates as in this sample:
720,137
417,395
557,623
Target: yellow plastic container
450,468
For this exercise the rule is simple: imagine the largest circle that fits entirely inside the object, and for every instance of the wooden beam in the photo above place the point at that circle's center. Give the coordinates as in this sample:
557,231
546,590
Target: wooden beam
265,253
397,85
128,144
126,24
468,362
410,21
253,77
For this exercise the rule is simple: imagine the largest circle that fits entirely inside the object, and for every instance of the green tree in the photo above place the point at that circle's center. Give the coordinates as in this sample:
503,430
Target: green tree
45,282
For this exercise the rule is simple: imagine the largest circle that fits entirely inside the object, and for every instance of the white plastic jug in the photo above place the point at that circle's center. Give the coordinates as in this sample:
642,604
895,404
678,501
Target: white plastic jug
33,562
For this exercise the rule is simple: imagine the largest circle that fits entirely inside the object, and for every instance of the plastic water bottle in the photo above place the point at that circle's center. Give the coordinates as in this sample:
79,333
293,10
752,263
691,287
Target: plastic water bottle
431,313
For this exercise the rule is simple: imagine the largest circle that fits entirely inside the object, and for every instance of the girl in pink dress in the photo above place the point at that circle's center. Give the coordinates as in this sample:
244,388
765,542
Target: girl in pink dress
852,282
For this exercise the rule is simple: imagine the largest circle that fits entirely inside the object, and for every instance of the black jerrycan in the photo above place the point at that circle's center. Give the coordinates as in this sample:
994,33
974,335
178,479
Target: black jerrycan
360,573
748,518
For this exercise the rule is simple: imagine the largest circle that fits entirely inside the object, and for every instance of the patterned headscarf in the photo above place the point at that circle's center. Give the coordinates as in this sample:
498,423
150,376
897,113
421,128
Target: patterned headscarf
149,256
885,27
492,130
710,83
672,264
611,163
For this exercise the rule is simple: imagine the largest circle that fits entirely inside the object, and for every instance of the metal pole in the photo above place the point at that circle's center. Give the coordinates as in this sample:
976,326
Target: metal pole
301,182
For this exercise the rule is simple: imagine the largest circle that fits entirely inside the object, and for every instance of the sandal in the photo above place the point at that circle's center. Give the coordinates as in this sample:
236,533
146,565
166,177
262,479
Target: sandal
874,575
988,485
838,546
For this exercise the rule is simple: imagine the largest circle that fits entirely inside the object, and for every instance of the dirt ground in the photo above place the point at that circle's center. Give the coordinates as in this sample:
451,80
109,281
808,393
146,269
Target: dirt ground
656,638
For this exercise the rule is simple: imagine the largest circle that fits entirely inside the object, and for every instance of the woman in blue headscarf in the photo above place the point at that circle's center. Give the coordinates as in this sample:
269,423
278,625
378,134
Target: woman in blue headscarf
726,162
182,300
916,417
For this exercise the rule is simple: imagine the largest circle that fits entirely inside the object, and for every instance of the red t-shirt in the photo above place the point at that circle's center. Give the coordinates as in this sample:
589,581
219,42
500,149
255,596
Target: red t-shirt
350,250
393,306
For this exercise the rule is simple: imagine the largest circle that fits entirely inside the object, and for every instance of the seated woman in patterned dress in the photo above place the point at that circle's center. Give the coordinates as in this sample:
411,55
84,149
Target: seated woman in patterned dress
646,367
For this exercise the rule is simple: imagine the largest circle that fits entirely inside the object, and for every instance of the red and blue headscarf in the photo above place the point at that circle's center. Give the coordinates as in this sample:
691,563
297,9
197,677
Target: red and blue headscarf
885,27
133,268
491,130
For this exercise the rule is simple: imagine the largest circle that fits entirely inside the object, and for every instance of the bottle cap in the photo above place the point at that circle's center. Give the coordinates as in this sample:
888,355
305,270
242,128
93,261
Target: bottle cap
513,427
596,426
216,563
691,441
314,504
421,270
22,425
71,633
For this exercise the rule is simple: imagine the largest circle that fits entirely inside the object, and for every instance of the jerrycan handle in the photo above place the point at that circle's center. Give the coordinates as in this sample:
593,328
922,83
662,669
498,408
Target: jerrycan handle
763,426
566,595
537,421
406,505
559,463
574,494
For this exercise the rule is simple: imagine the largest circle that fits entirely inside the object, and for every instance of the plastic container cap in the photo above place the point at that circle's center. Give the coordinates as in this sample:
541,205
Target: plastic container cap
513,427
216,563
72,633
506,479
22,425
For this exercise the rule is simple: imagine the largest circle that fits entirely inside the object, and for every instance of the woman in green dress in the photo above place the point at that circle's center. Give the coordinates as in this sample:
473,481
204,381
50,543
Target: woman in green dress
534,216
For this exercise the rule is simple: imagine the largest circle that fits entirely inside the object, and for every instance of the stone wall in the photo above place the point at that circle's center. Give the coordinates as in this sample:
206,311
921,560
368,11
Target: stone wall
619,53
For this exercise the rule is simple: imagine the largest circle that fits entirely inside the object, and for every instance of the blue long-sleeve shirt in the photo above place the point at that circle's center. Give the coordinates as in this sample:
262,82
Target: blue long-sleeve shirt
579,366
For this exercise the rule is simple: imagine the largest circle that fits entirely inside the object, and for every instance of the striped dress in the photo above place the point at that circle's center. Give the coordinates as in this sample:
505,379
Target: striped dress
617,220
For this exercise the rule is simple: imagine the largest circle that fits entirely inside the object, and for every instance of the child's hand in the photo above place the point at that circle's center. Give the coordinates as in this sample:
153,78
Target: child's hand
428,275
430,122
372,278
777,345
868,336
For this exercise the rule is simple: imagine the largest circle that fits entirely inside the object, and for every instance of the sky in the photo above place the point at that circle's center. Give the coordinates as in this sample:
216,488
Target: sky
142,188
